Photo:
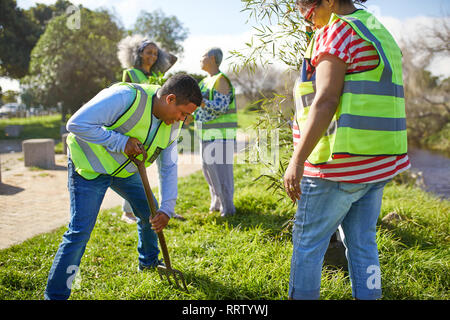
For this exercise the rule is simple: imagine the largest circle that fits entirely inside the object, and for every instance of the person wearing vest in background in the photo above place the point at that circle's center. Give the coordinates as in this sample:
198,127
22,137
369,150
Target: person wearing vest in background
350,140
216,124
141,58
112,126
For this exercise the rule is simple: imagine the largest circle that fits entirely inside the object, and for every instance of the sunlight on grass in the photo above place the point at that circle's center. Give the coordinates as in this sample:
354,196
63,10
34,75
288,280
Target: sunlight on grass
246,256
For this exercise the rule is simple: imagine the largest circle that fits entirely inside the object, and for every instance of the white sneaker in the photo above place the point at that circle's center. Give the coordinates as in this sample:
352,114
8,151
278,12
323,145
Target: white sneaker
128,217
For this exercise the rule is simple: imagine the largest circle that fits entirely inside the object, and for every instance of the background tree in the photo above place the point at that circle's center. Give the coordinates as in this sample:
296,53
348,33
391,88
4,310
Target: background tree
258,84
9,96
168,31
197,76
19,32
18,35
427,96
41,13
71,65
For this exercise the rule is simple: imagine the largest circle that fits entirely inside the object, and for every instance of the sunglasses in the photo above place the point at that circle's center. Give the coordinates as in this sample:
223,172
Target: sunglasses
309,13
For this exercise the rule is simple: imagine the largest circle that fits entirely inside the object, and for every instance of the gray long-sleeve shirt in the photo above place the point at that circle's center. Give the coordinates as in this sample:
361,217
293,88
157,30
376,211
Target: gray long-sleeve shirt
89,123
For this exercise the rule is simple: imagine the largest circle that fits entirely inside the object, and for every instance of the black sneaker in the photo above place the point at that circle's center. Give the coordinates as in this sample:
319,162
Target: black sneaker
335,255
179,217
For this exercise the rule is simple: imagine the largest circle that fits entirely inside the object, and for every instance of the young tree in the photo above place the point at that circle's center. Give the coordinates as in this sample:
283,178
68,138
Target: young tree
279,35
280,39
259,84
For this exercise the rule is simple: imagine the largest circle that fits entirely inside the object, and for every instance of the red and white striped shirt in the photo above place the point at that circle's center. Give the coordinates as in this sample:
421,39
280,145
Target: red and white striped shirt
341,40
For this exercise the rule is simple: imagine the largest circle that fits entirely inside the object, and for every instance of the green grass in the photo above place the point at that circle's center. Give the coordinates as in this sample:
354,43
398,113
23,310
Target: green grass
440,141
246,118
34,127
246,256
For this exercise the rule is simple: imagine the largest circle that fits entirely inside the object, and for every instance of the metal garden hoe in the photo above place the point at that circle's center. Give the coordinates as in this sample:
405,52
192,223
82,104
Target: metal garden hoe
167,269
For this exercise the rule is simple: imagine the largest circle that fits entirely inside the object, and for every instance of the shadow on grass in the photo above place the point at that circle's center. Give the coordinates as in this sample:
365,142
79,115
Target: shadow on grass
407,237
248,219
215,290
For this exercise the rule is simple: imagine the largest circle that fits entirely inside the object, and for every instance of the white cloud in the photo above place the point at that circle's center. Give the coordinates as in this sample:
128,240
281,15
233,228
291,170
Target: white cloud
414,29
195,46
9,84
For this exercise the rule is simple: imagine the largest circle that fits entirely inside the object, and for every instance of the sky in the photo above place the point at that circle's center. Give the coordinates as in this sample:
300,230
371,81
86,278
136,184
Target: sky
221,23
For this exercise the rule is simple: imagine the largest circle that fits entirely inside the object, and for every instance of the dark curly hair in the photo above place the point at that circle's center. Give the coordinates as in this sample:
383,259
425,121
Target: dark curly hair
184,87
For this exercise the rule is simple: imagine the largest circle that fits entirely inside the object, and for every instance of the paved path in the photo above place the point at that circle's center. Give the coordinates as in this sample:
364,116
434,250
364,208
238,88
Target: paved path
37,201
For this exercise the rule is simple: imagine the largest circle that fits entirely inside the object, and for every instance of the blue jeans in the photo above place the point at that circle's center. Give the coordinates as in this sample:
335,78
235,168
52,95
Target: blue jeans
324,206
86,197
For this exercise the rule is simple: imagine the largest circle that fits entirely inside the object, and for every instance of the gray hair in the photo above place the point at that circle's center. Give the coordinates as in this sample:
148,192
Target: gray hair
130,49
216,53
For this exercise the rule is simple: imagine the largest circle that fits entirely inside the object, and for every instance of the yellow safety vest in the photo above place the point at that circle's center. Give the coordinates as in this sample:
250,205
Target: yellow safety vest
224,126
370,119
92,159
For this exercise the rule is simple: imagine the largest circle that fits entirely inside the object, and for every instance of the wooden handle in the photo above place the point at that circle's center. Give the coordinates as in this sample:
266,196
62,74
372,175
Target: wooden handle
152,205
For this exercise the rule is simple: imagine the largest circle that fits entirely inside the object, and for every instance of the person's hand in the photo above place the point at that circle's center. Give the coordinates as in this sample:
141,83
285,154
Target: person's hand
160,221
292,178
133,147
203,104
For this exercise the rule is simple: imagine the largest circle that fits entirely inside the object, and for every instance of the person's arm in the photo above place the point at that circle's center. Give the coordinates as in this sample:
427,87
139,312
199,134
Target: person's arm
213,109
330,73
167,163
89,122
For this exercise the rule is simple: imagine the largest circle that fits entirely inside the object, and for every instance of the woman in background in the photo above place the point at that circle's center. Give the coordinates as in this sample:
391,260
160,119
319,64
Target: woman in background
141,58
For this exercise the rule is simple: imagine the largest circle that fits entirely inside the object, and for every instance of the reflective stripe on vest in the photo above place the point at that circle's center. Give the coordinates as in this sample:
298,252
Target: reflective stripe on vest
91,159
370,118
223,127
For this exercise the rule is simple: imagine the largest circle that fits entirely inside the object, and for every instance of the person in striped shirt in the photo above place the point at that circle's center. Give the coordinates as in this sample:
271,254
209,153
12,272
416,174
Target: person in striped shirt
344,189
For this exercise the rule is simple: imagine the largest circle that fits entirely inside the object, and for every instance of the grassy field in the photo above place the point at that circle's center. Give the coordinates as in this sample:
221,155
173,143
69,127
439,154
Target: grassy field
34,127
246,256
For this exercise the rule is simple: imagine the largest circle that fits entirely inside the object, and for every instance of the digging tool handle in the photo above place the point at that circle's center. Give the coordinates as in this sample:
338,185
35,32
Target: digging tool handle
151,203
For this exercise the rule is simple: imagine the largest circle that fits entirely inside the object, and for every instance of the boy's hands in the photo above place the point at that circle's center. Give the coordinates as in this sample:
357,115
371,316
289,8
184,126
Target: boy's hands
160,221
133,147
